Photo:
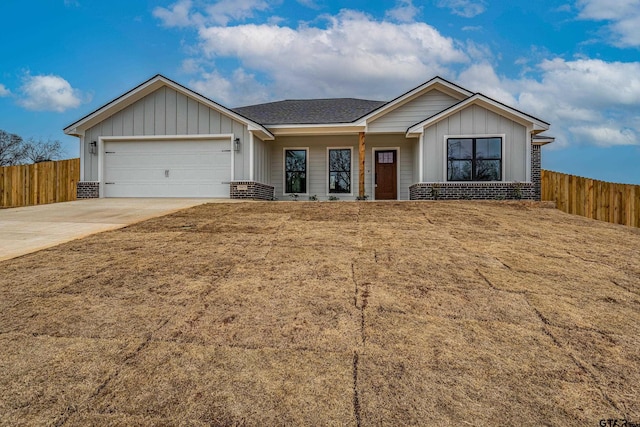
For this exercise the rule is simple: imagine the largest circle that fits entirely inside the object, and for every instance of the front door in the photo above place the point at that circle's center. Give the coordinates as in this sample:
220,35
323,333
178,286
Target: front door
386,178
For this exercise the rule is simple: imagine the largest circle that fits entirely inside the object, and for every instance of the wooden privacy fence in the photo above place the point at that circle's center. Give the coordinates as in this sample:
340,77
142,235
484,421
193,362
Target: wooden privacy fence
605,201
40,183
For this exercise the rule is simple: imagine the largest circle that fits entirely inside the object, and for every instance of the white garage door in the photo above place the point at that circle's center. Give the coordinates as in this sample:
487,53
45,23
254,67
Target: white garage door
167,168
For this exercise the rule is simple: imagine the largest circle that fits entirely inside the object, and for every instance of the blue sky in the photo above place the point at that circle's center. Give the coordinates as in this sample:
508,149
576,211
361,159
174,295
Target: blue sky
573,63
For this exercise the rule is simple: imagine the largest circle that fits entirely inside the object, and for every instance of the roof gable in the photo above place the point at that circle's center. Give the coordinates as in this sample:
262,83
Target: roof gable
148,87
485,102
436,83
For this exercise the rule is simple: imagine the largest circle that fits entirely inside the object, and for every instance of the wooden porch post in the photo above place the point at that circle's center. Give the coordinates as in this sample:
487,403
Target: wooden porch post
361,155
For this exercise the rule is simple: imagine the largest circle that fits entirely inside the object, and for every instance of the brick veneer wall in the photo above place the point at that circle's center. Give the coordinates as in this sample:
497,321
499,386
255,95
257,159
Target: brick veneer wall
483,191
475,191
536,165
254,190
88,189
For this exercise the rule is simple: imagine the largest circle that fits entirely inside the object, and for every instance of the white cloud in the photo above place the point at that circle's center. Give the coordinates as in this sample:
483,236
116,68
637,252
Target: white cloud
49,93
177,15
404,11
464,8
604,9
594,82
4,91
587,101
482,78
311,4
184,13
352,54
623,15
606,135
238,90
225,11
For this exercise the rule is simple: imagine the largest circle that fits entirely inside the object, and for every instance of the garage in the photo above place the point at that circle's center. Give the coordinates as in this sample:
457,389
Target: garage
166,168
162,139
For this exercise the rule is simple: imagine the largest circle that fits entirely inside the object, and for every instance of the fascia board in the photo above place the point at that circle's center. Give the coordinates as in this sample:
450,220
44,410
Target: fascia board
436,83
115,105
485,102
318,129
145,89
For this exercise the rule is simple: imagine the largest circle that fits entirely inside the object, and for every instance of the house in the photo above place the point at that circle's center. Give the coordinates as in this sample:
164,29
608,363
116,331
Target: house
438,140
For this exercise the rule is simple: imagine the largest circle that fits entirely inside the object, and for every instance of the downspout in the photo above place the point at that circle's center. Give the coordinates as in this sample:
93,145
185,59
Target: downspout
82,162
251,159
361,156
528,156
421,158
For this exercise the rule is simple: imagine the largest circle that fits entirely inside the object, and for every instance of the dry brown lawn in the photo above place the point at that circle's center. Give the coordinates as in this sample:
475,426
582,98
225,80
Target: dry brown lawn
296,313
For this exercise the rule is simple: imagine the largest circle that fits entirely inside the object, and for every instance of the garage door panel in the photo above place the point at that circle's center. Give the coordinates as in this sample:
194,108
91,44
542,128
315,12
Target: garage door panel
159,174
201,158
167,168
166,190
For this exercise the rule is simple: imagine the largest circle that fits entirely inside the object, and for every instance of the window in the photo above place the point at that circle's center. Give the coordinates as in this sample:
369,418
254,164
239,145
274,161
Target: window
295,171
340,170
474,159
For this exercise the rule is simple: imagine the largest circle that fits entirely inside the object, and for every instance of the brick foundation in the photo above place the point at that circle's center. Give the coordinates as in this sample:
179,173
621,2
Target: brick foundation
87,189
251,190
472,191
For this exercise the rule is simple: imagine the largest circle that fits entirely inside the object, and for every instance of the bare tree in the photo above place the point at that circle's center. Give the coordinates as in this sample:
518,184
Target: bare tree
11,149
14,150
42,151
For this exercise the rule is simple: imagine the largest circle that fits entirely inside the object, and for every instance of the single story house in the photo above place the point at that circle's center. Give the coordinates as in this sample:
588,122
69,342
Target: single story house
439,140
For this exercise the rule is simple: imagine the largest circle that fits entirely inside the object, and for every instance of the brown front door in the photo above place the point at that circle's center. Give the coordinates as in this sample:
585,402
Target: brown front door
386,179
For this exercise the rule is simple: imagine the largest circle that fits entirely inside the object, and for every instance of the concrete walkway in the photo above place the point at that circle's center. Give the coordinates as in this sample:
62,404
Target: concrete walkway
29,229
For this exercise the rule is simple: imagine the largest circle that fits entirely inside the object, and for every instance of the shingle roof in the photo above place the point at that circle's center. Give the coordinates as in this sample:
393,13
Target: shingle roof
309,111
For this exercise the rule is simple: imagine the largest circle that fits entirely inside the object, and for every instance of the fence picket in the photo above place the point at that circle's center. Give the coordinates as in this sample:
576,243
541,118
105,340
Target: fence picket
40,183
601,200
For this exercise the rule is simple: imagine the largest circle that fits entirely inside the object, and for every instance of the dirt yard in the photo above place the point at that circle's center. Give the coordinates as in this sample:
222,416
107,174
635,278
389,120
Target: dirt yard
301,313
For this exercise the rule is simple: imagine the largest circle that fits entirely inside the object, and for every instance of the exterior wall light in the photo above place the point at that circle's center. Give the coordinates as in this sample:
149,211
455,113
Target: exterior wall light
93,147
236,144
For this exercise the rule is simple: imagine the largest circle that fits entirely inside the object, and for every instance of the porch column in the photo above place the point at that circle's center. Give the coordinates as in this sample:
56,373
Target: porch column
361,155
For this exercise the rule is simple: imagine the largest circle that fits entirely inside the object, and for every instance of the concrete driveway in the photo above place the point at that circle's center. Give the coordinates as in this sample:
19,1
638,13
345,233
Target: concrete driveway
29,229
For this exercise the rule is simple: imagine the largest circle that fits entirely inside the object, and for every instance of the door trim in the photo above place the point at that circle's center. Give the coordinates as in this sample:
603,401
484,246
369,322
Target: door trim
151,138
373,170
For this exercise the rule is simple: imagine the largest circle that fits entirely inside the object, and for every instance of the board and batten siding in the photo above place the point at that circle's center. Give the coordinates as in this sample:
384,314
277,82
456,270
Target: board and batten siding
317,180
317,174
414,111
168,112
476,120
261,161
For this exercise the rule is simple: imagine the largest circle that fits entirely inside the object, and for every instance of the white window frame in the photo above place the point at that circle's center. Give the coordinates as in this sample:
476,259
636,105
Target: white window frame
445,170
327,177
284,169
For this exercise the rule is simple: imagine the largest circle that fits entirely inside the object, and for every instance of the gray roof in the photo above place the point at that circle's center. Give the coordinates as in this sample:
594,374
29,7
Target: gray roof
309,111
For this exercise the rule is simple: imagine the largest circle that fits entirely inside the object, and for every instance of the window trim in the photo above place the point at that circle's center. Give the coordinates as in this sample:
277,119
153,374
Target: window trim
445,168
284,169
328,172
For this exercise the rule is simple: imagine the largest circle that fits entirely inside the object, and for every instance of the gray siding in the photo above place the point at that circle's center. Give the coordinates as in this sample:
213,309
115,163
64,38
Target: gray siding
168,112
317,178
261,161
476,120
414,111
